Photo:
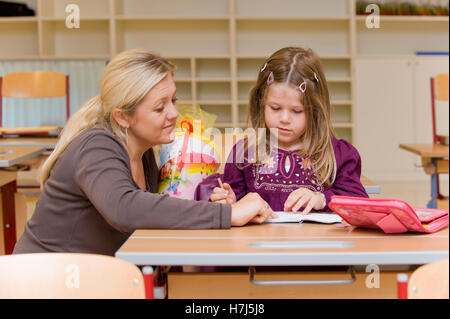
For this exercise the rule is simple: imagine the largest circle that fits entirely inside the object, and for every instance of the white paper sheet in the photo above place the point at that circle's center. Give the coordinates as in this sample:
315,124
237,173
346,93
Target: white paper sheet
318,217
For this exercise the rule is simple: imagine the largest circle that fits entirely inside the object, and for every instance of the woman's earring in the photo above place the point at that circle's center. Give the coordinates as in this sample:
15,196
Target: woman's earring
126,135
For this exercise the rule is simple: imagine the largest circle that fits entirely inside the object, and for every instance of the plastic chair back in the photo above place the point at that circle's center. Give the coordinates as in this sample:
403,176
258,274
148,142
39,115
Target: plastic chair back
69,276
429,281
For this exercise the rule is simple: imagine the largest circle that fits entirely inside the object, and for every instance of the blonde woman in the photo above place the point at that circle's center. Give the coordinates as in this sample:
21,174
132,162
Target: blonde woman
99,184
309,165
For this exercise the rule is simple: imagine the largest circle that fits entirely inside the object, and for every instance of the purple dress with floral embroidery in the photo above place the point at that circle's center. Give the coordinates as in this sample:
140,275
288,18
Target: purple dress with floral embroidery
284,172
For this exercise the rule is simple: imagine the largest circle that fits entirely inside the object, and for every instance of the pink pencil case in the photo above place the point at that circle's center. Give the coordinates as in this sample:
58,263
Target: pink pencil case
389,215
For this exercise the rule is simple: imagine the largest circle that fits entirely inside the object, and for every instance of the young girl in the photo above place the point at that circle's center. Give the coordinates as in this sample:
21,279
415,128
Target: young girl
309,165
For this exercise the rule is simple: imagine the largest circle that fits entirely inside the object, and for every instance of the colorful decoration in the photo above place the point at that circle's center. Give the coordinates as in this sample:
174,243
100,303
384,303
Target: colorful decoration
191,157
185,163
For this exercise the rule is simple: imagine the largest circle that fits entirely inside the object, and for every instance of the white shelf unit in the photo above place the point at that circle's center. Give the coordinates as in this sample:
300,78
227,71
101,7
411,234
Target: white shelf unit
219,46
19,35
403,36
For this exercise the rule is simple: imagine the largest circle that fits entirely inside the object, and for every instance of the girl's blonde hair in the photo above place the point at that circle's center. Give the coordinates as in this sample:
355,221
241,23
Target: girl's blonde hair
125,82
293,65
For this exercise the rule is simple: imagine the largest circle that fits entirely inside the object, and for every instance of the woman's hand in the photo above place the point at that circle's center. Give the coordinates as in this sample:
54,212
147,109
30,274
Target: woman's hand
223,195
251,208
304,197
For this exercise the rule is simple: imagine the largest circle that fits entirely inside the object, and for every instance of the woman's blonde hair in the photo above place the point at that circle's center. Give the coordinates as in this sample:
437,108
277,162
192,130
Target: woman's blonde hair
125,82
294,66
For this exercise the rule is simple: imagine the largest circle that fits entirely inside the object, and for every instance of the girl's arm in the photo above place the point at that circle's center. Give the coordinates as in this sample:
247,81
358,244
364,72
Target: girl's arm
348,176
234,173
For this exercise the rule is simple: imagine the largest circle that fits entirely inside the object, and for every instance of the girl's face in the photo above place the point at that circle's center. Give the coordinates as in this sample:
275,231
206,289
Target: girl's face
284,111
154,119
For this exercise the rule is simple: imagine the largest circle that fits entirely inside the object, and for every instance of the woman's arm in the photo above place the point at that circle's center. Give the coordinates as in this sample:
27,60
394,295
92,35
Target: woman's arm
104,175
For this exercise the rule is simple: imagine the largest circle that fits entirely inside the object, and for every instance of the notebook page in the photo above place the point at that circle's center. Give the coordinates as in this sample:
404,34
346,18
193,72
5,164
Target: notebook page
318,217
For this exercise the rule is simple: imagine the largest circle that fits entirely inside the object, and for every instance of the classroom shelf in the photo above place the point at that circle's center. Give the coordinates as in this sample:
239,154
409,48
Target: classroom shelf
408,18
19,38
219,46
402,37
53,9
59,41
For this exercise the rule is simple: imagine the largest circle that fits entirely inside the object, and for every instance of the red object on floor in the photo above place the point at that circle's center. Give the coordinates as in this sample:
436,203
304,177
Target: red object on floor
402,286
148,282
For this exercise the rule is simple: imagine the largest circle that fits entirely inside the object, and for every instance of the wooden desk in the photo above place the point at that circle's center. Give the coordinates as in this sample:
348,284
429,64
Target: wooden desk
427,150
10,156
8,188
437,155
48,143
305,244
370,186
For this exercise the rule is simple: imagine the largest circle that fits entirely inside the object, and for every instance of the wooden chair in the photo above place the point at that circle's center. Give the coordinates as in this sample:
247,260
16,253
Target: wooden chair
35,84
439,92
430,281
69,276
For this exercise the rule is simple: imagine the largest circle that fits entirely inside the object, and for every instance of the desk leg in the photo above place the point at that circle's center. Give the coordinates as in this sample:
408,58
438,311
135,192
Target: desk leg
9,216
434,186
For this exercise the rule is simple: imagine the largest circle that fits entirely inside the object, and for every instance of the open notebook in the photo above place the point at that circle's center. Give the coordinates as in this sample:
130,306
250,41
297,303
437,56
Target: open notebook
317,217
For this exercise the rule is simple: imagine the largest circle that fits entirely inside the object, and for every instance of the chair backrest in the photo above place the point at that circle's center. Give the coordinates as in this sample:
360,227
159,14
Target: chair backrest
439,92
429,281
35,84
441,87
69,276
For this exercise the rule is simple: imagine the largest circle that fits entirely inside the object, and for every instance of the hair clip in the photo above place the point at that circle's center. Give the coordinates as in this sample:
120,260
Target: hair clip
264,67
302,87
270,79
316,78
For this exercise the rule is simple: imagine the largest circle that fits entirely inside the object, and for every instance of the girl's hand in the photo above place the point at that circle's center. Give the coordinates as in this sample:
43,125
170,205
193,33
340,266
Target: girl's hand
223,195
250,208
304,197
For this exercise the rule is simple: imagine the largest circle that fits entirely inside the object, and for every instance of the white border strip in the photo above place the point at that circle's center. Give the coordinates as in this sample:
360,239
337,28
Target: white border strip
286,237
284,259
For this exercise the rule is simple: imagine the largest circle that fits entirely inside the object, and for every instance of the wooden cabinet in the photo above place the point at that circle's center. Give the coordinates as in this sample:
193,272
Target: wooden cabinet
394,106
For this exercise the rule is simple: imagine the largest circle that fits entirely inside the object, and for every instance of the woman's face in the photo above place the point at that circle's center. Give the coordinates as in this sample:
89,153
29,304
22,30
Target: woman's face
154,119
284,111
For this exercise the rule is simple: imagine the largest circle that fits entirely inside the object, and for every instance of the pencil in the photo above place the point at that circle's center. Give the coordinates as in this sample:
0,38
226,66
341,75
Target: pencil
220,182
